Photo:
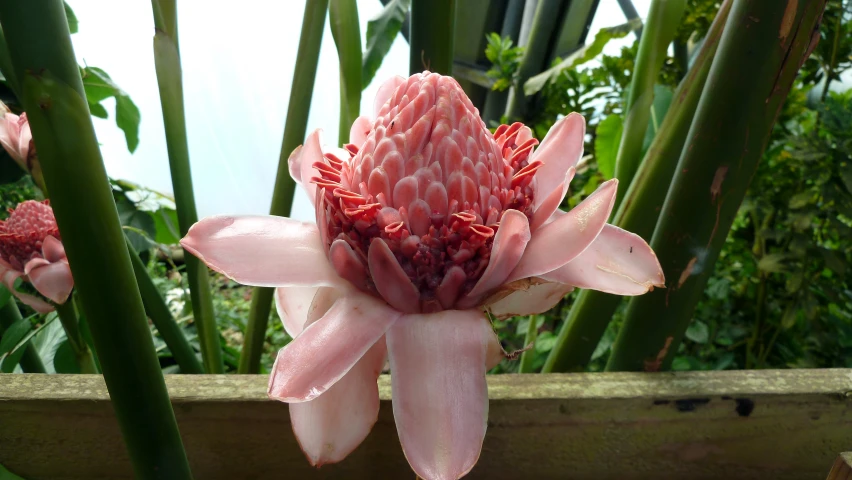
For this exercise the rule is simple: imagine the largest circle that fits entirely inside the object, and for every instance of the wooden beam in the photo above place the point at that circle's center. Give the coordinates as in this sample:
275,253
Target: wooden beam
785,424
842,468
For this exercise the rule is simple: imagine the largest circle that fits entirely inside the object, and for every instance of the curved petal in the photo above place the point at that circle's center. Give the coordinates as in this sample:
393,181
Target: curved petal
440,398
262,250
332,425
528,298
391,281
293,304
24,141
617,262
386,92
52,249
8,277
53,280
508,248
545,209
294,163
360,129
563,239
560,150
310,154
329,347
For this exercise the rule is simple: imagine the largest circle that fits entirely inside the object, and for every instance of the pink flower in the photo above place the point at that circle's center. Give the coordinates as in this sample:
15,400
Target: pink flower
17,139
30,247
424,221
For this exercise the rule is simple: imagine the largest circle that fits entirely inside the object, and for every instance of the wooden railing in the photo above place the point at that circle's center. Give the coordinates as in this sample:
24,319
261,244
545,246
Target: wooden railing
778,424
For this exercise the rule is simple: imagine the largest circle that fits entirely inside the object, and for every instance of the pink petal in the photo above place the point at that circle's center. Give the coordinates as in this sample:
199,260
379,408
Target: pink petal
262,250
440,398
293,304
551,203
53,280
24,141
328,348
294,162
508,248
310,154
8,277
391,281
617,262
332,425
360,128
560,150
52,249
529,298
563,239
386,92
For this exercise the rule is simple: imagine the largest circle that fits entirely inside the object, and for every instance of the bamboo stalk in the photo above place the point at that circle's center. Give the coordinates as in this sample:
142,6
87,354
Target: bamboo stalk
161,316
528,355
169,80
71,324
52,94
587,320
659,31
431,38
30,361
745,91
304,76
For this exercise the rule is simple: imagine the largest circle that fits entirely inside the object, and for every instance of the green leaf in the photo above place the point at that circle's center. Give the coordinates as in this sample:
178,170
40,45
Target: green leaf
166,223
662,101
72,26
698,332
14,334
581,56
46,340
65,361
545,341
791,314
800,200
772,263
381,32
846,175
607,139
604,345
99,86
140,226
5,295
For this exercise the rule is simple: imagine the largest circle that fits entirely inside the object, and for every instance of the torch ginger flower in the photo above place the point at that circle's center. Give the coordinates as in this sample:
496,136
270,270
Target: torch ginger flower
424,221
17,139
30,248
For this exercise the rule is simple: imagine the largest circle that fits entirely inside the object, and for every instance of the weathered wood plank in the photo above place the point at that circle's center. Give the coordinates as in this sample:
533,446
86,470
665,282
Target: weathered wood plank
842,468
700,425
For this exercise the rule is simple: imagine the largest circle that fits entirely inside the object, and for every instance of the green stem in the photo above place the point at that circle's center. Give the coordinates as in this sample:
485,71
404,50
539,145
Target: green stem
528,356
432,30
343,19
170,82
681,57
659,31
53,97
71,324
745,91
589,315
535,55
758,321
30,361
161,316
829,71
304,76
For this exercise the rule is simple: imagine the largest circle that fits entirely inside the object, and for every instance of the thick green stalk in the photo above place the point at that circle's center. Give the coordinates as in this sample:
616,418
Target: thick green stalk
304,76
169,79
71,324
343,19
161,316
528,356
53,97
535,54
589,315
432,29
745,91
30,361
660,28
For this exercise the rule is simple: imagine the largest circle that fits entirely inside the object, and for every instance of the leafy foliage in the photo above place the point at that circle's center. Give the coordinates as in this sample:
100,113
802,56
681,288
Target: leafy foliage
381,32
99,86
505,60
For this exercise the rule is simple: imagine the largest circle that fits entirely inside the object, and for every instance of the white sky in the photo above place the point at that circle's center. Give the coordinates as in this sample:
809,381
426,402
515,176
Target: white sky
237,66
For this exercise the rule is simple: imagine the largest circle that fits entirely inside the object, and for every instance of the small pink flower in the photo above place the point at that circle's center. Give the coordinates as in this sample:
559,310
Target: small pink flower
30,247
17,139
424,222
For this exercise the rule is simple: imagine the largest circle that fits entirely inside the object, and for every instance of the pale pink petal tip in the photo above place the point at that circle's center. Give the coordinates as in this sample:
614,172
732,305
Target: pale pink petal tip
8,277
527,297
440,395
331,426
325,350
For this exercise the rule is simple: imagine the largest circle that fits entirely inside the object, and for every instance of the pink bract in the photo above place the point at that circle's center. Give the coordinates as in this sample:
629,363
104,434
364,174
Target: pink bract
424,222
30,248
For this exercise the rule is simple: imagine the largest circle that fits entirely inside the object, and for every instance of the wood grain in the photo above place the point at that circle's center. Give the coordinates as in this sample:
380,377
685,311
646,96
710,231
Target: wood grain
785,424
